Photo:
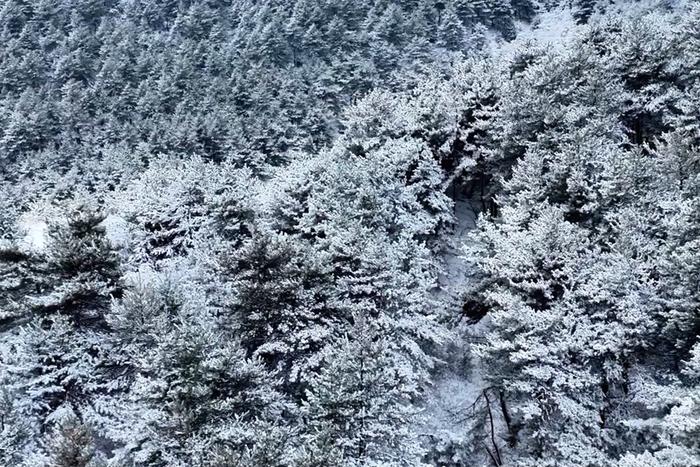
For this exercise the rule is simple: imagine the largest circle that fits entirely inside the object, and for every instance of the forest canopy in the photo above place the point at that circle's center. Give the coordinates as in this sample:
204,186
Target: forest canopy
349,233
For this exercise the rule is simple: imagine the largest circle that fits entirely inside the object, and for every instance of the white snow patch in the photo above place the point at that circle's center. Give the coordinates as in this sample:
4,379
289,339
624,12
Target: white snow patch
553,28
456,272
447,413
35,233
448,408
117,231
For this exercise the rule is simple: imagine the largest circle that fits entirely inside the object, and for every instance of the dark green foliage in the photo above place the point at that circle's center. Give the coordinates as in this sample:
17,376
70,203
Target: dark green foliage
72,445
583,9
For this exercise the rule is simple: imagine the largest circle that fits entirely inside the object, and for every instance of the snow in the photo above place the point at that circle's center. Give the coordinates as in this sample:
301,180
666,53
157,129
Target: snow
456,270
117,231
555,28
446,413
34,228
552,28
35,233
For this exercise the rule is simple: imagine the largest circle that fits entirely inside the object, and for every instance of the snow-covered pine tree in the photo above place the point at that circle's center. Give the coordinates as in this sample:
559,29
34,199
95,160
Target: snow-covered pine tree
54,361
563,286
278,306
15,431
358,411
451,32
71,444
672,427
194,397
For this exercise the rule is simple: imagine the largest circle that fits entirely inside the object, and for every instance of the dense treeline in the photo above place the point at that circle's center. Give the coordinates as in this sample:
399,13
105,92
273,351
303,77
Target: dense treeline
223,229
229,79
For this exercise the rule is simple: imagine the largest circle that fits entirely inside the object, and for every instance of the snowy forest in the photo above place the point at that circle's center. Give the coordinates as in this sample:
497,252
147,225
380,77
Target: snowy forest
348,233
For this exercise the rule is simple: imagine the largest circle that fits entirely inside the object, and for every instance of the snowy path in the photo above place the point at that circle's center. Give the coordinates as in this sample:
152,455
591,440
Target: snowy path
456,273
447,413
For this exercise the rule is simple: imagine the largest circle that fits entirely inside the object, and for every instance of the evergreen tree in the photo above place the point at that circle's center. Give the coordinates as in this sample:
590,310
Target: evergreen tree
451,32
15,432
583,9
72,445
195,398
54,362
359,408
671,432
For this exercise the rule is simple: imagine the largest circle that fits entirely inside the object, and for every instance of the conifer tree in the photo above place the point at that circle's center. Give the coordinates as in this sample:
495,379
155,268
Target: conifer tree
72,445
194,397
358,409
54,362
583,9
451,32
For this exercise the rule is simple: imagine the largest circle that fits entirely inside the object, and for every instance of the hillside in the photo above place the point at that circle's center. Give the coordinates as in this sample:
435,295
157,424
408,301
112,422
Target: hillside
349,233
